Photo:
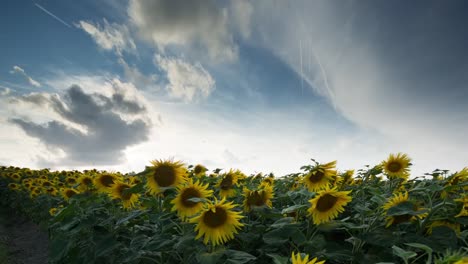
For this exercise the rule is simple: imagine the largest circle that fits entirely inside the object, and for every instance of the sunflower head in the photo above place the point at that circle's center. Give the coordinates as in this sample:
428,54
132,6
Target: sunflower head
199,170
13,186
217,223
347,177
67,193
227,183
183,205
51,191
464,201
397,166
164,174
399,199
257,198
15,177
320,176
297,259
71,180
328,204
86,182
118,191
105,181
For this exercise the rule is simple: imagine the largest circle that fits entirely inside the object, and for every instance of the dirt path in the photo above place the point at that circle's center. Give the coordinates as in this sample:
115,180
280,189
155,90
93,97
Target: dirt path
21,240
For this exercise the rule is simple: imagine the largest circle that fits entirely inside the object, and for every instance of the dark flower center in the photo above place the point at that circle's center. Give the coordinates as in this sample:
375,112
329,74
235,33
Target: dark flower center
121,190
187,194
226,183
316,176
164,175
198,169
326,202
255,198
70,193
216,219
107,180
394,166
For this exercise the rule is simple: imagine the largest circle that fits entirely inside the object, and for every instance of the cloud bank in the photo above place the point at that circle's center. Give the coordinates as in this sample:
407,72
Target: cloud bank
104,126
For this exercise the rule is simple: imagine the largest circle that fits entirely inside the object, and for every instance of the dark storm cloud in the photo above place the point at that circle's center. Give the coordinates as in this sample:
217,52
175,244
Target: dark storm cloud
107,133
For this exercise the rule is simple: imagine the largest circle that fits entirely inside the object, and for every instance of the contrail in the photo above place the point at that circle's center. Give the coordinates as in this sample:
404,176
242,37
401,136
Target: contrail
52,15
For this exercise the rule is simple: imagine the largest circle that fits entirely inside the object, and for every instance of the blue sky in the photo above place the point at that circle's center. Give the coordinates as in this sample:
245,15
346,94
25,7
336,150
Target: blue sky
256,85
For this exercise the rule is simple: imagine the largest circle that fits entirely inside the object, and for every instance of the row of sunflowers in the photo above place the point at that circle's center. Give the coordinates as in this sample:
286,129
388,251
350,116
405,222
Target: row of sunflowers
173,213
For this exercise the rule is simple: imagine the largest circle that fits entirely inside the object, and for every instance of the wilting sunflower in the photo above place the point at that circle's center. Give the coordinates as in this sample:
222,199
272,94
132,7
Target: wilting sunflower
327,204
105,181
227,183
165,173
320,176
86,183
397,166
454,226
67,193
297,259
129,200
199,170
217,222
397,199
181,203
257,198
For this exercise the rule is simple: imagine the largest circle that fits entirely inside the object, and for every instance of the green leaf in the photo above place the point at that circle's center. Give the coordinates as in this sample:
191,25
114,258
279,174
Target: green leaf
210,258
131,216
405,255
238,257
426,248
139,188
196,199
282,222
277,259
293,208
404,208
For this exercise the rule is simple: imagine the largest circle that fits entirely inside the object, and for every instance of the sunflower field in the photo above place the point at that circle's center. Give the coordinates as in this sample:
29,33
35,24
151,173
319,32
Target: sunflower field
174,213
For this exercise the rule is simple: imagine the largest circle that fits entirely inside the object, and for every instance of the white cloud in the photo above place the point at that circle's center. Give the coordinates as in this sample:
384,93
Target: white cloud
109,36
343,60
185,23
22,72
186,81
135,76
240,12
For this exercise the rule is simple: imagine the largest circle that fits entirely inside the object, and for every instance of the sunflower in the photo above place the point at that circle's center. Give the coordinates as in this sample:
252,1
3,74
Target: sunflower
129,200
347,177
327,204
459,177
320,176
71,180
53,211
267,181
397,166
51,191
13,186
217,222
15,177
257,198
199,170
454,226
165,173
186,208
297,259
67,193
227,184
464,210
86,182
397,199
105,181
46,184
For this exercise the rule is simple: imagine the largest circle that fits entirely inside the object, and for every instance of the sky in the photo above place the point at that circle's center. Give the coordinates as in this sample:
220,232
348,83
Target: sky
262,86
